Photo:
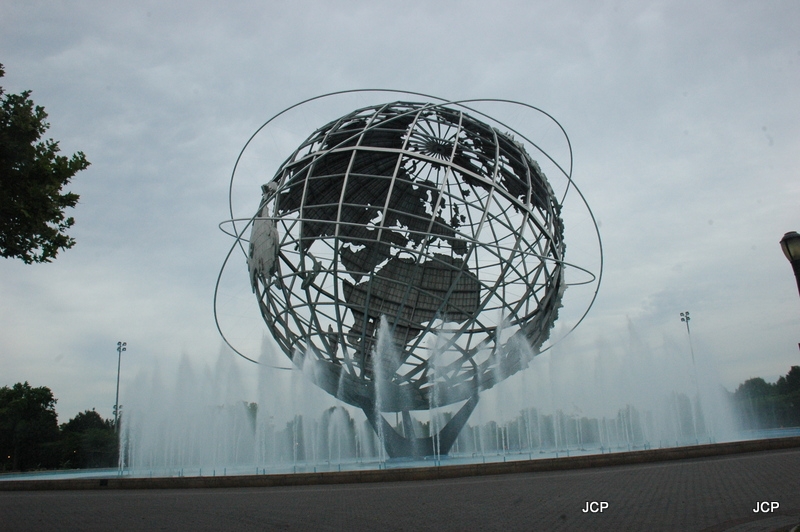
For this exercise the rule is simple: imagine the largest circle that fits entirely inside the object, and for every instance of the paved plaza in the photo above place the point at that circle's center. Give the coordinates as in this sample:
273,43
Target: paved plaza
704,494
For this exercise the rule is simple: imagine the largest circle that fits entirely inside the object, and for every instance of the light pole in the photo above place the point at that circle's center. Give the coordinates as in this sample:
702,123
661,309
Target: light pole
686,318
790,243
120,348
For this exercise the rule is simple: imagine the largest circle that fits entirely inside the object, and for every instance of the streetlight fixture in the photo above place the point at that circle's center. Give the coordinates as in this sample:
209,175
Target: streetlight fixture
790,243
120,348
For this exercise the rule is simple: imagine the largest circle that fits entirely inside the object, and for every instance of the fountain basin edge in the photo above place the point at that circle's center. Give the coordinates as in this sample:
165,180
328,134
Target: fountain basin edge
408,474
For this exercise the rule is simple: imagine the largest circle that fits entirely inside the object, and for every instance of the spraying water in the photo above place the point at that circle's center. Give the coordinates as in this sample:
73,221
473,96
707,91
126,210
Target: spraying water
212,421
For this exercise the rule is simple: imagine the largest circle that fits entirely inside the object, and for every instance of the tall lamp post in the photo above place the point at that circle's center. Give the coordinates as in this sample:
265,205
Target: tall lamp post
686,318
120,348
790,243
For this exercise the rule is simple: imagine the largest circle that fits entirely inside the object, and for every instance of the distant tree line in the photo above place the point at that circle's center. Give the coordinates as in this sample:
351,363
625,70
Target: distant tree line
762,405
31,439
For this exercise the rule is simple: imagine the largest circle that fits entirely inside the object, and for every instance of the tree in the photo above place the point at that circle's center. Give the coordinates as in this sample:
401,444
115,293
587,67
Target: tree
28,428
756,388
755,400
763,405
789,393
89,441
85,421
32,220
790,384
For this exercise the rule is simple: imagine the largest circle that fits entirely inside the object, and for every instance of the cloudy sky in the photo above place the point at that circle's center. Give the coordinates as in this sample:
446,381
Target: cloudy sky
684,119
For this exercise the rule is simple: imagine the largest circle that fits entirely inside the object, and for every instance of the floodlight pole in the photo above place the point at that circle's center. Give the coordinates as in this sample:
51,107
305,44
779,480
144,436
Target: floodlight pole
121,346
685,318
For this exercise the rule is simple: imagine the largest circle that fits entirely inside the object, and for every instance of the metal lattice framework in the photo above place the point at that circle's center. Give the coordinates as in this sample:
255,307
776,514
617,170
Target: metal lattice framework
425,217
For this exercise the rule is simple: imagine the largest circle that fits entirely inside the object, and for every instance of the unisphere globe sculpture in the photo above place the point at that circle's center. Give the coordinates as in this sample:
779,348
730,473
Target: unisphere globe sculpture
414,256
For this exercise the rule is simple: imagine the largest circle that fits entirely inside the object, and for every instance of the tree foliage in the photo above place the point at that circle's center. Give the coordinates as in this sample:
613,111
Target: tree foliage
87,440
762,405
790,384
28,428
32,175
30,437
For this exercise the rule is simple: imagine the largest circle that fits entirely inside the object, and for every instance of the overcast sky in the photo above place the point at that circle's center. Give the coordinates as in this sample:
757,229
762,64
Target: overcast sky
684,119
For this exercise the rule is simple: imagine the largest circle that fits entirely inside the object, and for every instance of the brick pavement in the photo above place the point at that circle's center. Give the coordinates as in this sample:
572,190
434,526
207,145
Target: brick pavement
707,494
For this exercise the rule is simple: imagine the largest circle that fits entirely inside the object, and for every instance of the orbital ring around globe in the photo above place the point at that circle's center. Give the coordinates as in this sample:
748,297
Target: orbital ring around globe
411,246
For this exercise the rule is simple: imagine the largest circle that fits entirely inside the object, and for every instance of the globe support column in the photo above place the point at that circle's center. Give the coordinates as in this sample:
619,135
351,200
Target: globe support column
409,446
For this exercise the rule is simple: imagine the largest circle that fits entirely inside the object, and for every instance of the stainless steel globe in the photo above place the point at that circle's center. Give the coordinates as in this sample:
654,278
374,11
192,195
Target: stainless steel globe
425,219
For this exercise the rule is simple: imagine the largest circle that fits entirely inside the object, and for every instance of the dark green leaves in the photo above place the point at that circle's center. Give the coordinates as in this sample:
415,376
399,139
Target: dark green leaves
33,224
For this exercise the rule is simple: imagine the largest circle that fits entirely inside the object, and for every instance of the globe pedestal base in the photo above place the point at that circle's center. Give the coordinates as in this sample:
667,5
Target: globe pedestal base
399,446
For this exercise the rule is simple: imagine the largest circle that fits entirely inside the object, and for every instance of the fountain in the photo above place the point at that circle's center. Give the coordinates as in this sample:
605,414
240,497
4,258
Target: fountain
408,258
216,421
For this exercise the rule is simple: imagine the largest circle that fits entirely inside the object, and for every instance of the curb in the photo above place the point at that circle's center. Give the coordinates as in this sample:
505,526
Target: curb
408,474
